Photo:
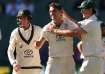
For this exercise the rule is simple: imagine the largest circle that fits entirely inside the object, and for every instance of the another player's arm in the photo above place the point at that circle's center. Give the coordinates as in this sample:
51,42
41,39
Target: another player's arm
64,32
10,52
79,46
39,43
79,30
69,33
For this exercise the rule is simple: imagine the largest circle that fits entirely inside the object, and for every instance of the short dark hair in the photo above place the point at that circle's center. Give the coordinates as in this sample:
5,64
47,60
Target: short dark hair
55,5
94,11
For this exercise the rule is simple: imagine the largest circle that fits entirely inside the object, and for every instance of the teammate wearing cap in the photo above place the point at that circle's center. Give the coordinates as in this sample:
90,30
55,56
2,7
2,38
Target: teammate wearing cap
103,41
27,59
91,44
91,39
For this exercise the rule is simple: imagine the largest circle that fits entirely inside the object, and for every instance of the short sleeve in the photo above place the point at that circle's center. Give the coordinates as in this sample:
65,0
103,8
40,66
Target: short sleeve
70,24
13,39
38,30
44,32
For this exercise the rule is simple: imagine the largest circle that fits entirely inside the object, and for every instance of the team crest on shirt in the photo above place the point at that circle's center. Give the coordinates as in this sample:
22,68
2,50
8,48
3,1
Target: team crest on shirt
28,53
60,38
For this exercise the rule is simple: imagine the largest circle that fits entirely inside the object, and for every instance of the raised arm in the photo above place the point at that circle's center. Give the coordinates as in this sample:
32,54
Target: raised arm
38,44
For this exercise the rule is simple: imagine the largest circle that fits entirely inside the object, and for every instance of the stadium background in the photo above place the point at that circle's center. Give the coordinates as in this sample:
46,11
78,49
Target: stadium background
40,17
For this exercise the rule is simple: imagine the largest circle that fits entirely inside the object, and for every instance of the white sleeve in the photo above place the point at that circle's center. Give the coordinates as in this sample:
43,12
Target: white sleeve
71,25
38,31
44,32
87,26
11,47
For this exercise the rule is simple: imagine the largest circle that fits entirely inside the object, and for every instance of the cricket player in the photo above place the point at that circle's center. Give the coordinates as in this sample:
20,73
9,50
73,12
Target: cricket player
103,42
91,39
27,59
58,34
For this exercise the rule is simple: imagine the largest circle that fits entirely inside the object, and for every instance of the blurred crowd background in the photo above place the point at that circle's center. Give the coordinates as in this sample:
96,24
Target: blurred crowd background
40,16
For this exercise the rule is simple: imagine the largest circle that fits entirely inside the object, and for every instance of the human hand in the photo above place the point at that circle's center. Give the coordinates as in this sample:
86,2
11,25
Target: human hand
82,56
36,44
16,67
50,28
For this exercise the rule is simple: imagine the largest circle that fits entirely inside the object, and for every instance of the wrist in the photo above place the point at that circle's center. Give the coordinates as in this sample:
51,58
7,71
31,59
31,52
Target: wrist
14,63
54,30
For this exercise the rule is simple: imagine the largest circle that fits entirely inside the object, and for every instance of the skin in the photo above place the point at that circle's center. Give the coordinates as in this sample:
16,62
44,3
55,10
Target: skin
56,15
86,13
24,23
57,18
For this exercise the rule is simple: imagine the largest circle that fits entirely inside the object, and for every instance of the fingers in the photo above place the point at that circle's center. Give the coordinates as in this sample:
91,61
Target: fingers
16,67
36,44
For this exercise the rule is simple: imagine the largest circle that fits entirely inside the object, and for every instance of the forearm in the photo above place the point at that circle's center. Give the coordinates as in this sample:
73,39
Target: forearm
63,32
79,46
38,44
10,53
66,15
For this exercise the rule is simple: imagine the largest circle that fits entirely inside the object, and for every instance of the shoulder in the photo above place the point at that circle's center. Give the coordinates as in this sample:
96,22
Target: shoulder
47,26
14,31
36,27
87,22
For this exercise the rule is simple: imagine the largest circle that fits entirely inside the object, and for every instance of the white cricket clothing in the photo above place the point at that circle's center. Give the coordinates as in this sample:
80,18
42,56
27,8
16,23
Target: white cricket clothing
103,43
59,45
60,65
60,50
26,54
92,45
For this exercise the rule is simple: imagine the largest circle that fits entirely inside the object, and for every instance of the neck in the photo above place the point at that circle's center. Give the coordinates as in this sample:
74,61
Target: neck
27,27
58,24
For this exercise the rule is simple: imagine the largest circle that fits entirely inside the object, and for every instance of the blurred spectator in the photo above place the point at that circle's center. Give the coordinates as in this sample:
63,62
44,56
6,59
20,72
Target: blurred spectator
12,8
14,5
27,4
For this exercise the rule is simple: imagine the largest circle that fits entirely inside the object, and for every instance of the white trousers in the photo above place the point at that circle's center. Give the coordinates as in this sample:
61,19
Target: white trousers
60,65
104,67
94,66
27,71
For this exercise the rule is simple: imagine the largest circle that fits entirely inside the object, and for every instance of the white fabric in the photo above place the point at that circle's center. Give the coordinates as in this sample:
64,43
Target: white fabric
92,45
26,54
60,50
60,65
27,71
103,43
59,45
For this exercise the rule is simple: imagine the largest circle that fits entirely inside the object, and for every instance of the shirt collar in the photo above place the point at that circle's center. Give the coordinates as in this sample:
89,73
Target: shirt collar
93,17
29,29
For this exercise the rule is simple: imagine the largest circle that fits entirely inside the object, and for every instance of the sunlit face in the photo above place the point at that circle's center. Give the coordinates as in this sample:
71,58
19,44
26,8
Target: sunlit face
86,13
23,22
55,15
